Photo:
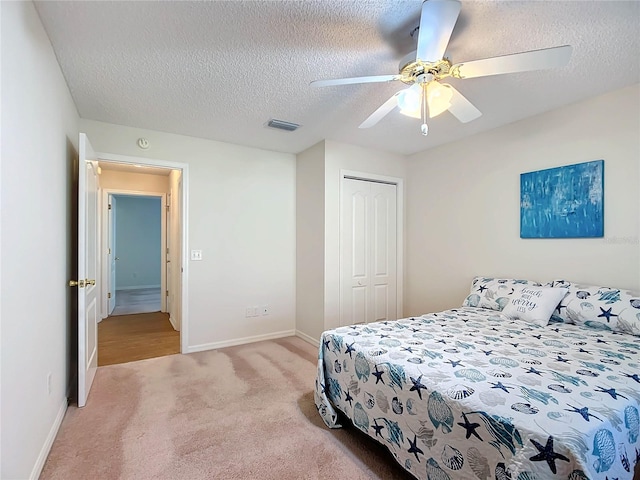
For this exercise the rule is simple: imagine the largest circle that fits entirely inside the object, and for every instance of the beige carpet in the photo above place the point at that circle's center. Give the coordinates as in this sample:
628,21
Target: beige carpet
243,412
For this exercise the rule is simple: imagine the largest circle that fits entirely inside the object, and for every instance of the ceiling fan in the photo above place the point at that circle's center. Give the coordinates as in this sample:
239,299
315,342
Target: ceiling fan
425,68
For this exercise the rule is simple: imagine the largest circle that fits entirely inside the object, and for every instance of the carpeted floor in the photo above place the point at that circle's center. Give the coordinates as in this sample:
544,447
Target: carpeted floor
243,412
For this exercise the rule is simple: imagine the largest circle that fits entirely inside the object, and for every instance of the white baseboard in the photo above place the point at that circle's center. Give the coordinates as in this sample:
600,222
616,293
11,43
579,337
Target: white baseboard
46,448
173,323
137,287
239,341
308,338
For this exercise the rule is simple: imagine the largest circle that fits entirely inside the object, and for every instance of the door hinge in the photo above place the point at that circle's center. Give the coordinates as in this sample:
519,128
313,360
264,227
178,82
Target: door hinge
109,295
167,293
109,206
167,250
109,251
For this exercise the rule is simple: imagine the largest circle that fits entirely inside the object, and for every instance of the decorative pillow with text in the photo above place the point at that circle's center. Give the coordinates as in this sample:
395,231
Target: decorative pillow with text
493,293
534,304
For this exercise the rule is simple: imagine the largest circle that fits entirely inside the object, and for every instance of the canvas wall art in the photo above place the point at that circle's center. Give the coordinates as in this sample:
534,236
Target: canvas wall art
563,202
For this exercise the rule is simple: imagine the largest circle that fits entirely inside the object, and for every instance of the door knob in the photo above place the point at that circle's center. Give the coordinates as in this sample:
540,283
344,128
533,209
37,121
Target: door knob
76,283
359,283
117,258
90,282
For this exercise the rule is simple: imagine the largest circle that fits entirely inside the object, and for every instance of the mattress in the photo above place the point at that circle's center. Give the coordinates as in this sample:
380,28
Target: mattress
467,393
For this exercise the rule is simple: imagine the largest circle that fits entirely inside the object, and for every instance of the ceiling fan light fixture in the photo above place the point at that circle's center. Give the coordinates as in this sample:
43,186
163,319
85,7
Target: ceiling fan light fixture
414,113
439,98
409,102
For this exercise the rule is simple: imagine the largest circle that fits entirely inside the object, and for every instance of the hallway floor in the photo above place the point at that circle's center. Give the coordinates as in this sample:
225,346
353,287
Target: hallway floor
141,300
127,338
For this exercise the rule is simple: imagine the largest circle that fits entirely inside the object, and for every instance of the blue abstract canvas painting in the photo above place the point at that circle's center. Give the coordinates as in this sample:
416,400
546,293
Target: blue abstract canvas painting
563,202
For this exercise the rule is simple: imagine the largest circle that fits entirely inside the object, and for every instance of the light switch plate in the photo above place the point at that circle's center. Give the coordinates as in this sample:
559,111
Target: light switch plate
196,254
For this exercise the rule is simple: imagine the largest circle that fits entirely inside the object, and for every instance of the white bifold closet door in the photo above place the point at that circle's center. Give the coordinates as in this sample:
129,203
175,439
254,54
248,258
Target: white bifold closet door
368,252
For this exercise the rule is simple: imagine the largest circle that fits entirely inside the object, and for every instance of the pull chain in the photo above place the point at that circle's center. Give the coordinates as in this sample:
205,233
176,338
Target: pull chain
424,127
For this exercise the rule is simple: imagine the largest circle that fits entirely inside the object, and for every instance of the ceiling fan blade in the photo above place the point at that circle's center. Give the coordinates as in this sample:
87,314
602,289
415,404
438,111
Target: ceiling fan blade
436,24
518,62
350,81
381,112
460,107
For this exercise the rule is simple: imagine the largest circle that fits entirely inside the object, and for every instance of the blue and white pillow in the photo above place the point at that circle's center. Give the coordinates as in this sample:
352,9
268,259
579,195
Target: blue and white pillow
494,293
599,307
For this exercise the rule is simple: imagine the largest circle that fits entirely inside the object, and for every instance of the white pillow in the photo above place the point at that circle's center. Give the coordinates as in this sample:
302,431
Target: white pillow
534,304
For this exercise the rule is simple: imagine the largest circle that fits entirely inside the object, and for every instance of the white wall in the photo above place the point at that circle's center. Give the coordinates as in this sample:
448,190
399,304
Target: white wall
341,156
310,241
39,153
242,216
464,212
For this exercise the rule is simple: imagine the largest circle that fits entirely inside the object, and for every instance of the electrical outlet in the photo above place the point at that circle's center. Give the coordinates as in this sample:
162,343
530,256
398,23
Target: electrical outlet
264,310
49,383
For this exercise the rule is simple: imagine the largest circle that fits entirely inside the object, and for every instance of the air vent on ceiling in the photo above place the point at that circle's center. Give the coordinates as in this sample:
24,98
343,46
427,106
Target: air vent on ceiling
282,125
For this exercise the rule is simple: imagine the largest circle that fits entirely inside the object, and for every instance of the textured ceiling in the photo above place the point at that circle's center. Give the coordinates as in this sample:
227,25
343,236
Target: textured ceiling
221,69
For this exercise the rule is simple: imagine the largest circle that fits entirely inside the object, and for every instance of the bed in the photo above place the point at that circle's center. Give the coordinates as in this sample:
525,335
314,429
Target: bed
473,393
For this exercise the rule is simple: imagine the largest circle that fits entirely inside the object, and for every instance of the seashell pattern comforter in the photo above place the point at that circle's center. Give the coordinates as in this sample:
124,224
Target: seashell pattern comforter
467,393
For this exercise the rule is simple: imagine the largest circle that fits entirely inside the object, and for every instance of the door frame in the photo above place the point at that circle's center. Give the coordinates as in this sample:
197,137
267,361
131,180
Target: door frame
110,263
166,261
399,183
184,216
106,271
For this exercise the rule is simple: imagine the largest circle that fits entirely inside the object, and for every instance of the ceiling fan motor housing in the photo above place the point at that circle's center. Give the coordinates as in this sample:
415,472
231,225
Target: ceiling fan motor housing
413,71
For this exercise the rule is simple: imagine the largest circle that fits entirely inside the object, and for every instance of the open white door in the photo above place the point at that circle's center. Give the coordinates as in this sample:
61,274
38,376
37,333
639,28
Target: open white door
112,252
88,291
